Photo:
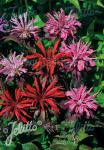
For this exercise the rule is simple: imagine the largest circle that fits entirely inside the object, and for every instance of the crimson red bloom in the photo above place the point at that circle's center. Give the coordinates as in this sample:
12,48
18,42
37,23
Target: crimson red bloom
14,106
48,59
44,96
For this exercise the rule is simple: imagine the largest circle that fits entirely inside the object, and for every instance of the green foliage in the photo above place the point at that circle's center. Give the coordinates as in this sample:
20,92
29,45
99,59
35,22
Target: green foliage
66,137
29,146
39,21
75,3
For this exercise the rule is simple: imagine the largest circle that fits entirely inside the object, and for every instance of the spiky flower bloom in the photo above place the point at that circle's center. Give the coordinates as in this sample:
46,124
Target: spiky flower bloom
14,106
61,25
81,57
23,28
48,59
80,101
3,24
13,66
44,95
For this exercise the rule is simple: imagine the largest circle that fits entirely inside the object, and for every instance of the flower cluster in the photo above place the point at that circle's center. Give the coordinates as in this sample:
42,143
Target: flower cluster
39,70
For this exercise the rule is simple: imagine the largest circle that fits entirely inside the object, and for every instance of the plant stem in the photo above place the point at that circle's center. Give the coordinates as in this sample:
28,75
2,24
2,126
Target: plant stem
26,4
49,5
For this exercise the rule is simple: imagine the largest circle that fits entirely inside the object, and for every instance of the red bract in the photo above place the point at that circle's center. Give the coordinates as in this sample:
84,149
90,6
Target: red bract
48,59
14,106
44,96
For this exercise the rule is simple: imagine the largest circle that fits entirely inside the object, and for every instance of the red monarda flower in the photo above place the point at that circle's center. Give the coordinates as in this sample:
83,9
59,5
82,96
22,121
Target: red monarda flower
14,106
48,59
80,101
44,96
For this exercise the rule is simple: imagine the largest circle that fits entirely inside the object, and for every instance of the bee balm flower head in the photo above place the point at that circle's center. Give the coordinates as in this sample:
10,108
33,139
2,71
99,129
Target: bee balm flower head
14,65
23,28
61,25
80,101
81,57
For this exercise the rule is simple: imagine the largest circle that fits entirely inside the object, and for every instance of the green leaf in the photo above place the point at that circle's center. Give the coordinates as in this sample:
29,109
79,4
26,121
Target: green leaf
29,146
99,3
39,131
100,99
11,83
86,39
99,37
90,29
84,147
75,3
64,145
8,1
82,135
5,1
98,148
40,1
39,21
4,147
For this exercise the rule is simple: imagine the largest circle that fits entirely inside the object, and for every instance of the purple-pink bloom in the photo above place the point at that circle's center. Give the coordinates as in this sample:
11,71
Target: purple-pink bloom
3,24
24,28
12,66
80,101
81,57
61,25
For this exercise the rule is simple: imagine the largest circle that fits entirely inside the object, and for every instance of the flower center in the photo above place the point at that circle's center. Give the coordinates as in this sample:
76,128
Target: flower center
79,102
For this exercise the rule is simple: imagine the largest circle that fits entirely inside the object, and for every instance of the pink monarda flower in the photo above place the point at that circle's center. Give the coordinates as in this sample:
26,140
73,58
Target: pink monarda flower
3,24
80,101
12,66
61,25
81,57
23,28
